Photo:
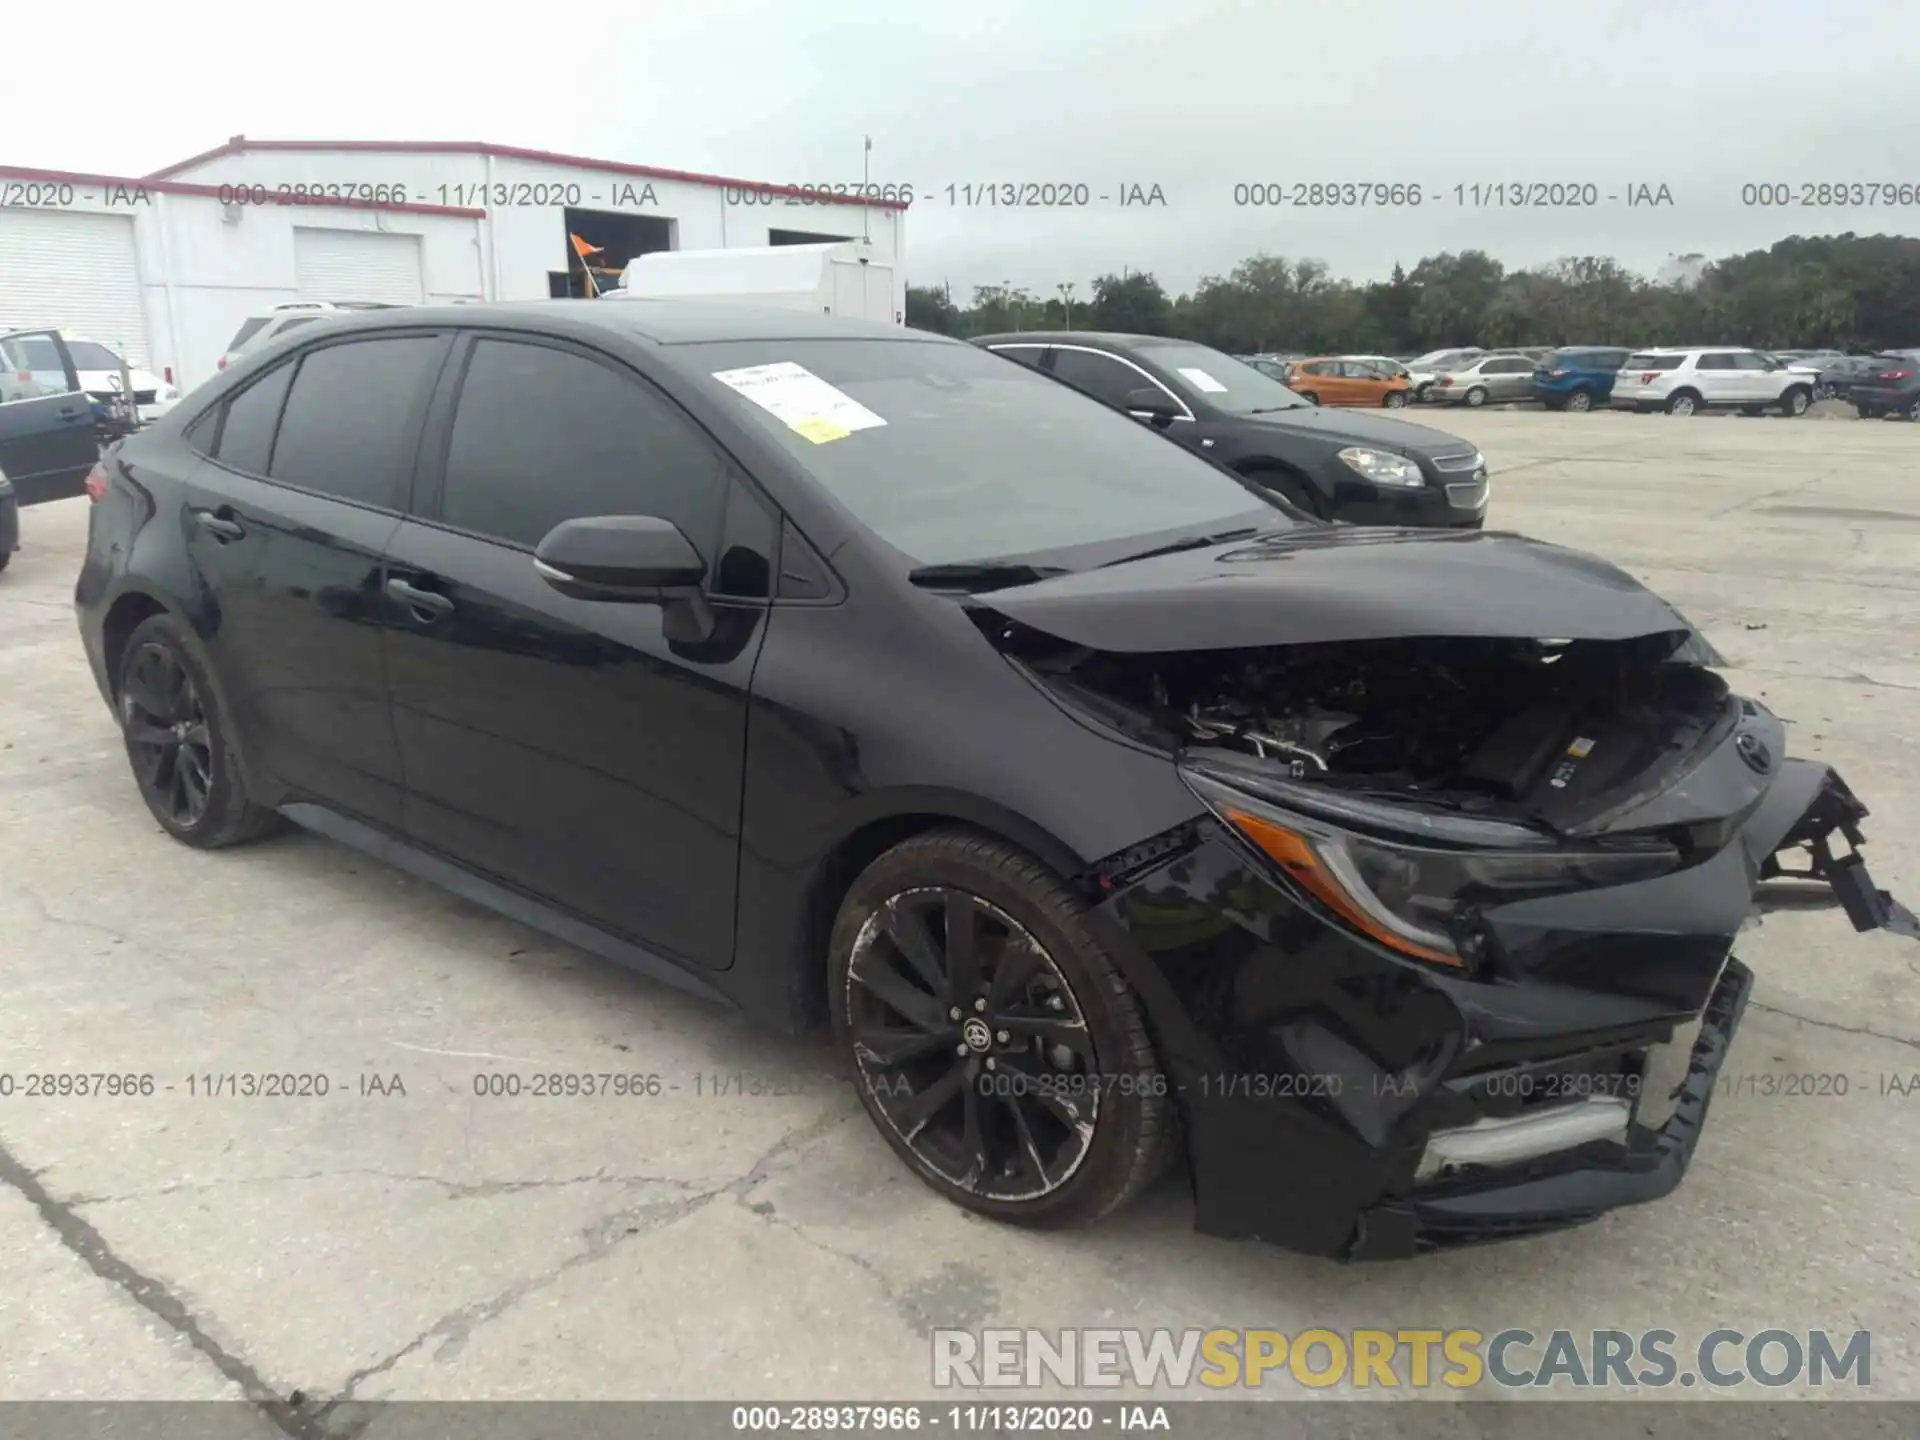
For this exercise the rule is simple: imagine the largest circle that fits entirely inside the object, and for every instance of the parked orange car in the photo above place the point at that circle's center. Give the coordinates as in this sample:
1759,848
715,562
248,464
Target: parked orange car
1332,380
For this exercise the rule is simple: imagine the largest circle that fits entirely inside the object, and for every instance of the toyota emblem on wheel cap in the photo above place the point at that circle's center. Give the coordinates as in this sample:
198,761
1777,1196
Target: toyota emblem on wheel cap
977,1035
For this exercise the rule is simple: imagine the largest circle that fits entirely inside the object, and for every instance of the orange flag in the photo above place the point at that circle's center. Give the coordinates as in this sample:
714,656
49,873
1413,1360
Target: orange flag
582,248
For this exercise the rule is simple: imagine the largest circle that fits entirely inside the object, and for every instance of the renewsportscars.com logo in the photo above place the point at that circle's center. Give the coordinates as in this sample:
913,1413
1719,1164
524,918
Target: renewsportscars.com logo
1406,1358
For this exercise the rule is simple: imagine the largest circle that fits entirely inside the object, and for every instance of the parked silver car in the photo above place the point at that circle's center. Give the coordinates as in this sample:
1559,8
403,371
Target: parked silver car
1490,379
1423,370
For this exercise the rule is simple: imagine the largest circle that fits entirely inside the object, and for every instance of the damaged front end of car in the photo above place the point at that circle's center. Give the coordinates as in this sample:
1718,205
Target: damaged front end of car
1446,954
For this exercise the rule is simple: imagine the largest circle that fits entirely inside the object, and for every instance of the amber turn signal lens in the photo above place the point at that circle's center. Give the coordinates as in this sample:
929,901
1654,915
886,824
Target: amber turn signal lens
1295,854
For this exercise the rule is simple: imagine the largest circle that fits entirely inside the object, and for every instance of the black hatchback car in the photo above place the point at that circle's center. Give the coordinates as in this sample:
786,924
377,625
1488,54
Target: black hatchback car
1103,808
1334,464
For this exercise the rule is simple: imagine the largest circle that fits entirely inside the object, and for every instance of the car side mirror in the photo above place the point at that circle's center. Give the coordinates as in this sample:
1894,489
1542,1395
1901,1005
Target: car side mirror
1150,404
632,560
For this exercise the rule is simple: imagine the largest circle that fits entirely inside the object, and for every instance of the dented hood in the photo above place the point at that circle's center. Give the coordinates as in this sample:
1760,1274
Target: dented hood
1334,583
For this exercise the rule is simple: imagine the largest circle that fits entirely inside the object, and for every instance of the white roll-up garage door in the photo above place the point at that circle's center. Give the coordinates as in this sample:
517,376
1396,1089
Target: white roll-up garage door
75,270
350,265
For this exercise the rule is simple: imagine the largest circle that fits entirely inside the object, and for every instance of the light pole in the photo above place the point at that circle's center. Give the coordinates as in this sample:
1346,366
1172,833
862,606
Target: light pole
1013,305
1065,287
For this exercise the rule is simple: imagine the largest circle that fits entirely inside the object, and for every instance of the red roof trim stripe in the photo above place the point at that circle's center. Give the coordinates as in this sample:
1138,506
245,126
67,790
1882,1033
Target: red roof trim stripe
181,187
239,145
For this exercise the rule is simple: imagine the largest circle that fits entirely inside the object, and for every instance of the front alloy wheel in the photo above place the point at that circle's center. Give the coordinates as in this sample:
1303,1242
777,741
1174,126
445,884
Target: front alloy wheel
1794,402
1580,400
1395,400
990,1038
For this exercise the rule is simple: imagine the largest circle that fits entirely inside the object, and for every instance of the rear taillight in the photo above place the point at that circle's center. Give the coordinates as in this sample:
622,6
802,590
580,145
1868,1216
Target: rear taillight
1444,380
1894,375
168,372
1646,376
222,363
96,482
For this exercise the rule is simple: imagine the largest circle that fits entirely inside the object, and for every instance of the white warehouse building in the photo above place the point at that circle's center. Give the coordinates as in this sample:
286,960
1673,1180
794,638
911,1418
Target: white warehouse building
167,266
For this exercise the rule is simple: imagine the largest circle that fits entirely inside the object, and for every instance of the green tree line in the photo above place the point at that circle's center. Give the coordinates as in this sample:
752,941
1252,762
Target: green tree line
1851,292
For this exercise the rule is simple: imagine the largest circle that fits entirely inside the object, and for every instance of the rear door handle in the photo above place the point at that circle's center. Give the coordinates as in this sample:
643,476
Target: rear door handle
219,526
72,412
426,605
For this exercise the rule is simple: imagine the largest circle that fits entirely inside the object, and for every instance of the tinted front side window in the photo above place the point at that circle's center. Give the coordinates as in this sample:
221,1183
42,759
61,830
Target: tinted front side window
1028,355
246,440
350,425
1099,375
545,435
1654,362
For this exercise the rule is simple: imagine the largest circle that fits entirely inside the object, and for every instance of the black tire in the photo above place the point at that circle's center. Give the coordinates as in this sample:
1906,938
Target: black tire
1795,401
1108,1139
1683,402
1394,400
1476,397
1580,401
185,757
1420,395
6,559
1912,412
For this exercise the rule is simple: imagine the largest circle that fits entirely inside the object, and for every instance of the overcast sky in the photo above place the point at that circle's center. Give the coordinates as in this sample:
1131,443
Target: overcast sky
1196,97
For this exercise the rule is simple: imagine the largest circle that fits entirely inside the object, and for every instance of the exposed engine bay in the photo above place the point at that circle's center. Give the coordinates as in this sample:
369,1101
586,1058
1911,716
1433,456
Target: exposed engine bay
1520,726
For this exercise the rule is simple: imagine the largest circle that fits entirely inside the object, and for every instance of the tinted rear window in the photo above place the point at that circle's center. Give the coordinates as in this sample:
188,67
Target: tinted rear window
246,439
246,332
1653,362
349,426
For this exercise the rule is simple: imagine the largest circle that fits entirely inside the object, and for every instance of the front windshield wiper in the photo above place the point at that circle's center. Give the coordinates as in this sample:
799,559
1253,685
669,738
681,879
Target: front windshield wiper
1269,409
974,576
1191,542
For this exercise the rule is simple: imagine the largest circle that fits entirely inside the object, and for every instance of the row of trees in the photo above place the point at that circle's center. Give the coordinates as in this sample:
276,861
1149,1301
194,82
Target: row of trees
1846,291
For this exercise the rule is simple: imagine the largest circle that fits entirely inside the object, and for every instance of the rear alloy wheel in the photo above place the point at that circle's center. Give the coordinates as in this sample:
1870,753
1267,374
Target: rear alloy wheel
1580,400
1395,400
1477,396
1794,402
177,742
1682,404
992,1041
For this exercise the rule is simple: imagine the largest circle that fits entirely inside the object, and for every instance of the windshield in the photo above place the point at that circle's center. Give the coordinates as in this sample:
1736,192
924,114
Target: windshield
948,453
89,356
1217,379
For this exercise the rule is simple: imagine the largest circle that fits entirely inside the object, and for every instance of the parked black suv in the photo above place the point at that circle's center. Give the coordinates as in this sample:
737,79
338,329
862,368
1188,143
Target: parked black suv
1097,802
1336,464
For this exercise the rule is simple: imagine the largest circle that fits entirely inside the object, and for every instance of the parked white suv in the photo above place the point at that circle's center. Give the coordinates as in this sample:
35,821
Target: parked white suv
1683,380
264,325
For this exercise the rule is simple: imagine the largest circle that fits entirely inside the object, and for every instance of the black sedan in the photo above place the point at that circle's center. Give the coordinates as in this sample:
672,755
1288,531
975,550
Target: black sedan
1105,810
1334,464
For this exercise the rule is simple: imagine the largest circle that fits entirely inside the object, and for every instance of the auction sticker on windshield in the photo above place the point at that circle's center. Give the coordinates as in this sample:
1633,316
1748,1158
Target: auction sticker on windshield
1205,381
801,400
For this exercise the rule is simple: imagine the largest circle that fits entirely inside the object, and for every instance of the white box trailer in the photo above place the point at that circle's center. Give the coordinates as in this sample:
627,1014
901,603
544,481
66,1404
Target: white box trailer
842,278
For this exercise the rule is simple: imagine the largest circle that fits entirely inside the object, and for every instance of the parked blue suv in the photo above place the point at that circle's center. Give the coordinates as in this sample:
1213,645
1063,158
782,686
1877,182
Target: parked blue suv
1578,377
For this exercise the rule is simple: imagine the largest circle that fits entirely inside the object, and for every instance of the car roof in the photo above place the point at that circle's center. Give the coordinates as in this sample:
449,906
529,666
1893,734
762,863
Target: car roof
1115,338
664,322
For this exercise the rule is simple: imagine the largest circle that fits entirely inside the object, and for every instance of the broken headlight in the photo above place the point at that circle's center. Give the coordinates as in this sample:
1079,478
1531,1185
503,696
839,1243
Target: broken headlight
1406,891
1382,467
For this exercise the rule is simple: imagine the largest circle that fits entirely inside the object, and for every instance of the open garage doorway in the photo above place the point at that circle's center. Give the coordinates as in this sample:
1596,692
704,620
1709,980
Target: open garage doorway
620,238
802,237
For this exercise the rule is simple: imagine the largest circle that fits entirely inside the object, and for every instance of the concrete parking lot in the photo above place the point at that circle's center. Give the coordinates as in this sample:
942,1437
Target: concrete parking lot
404,1236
